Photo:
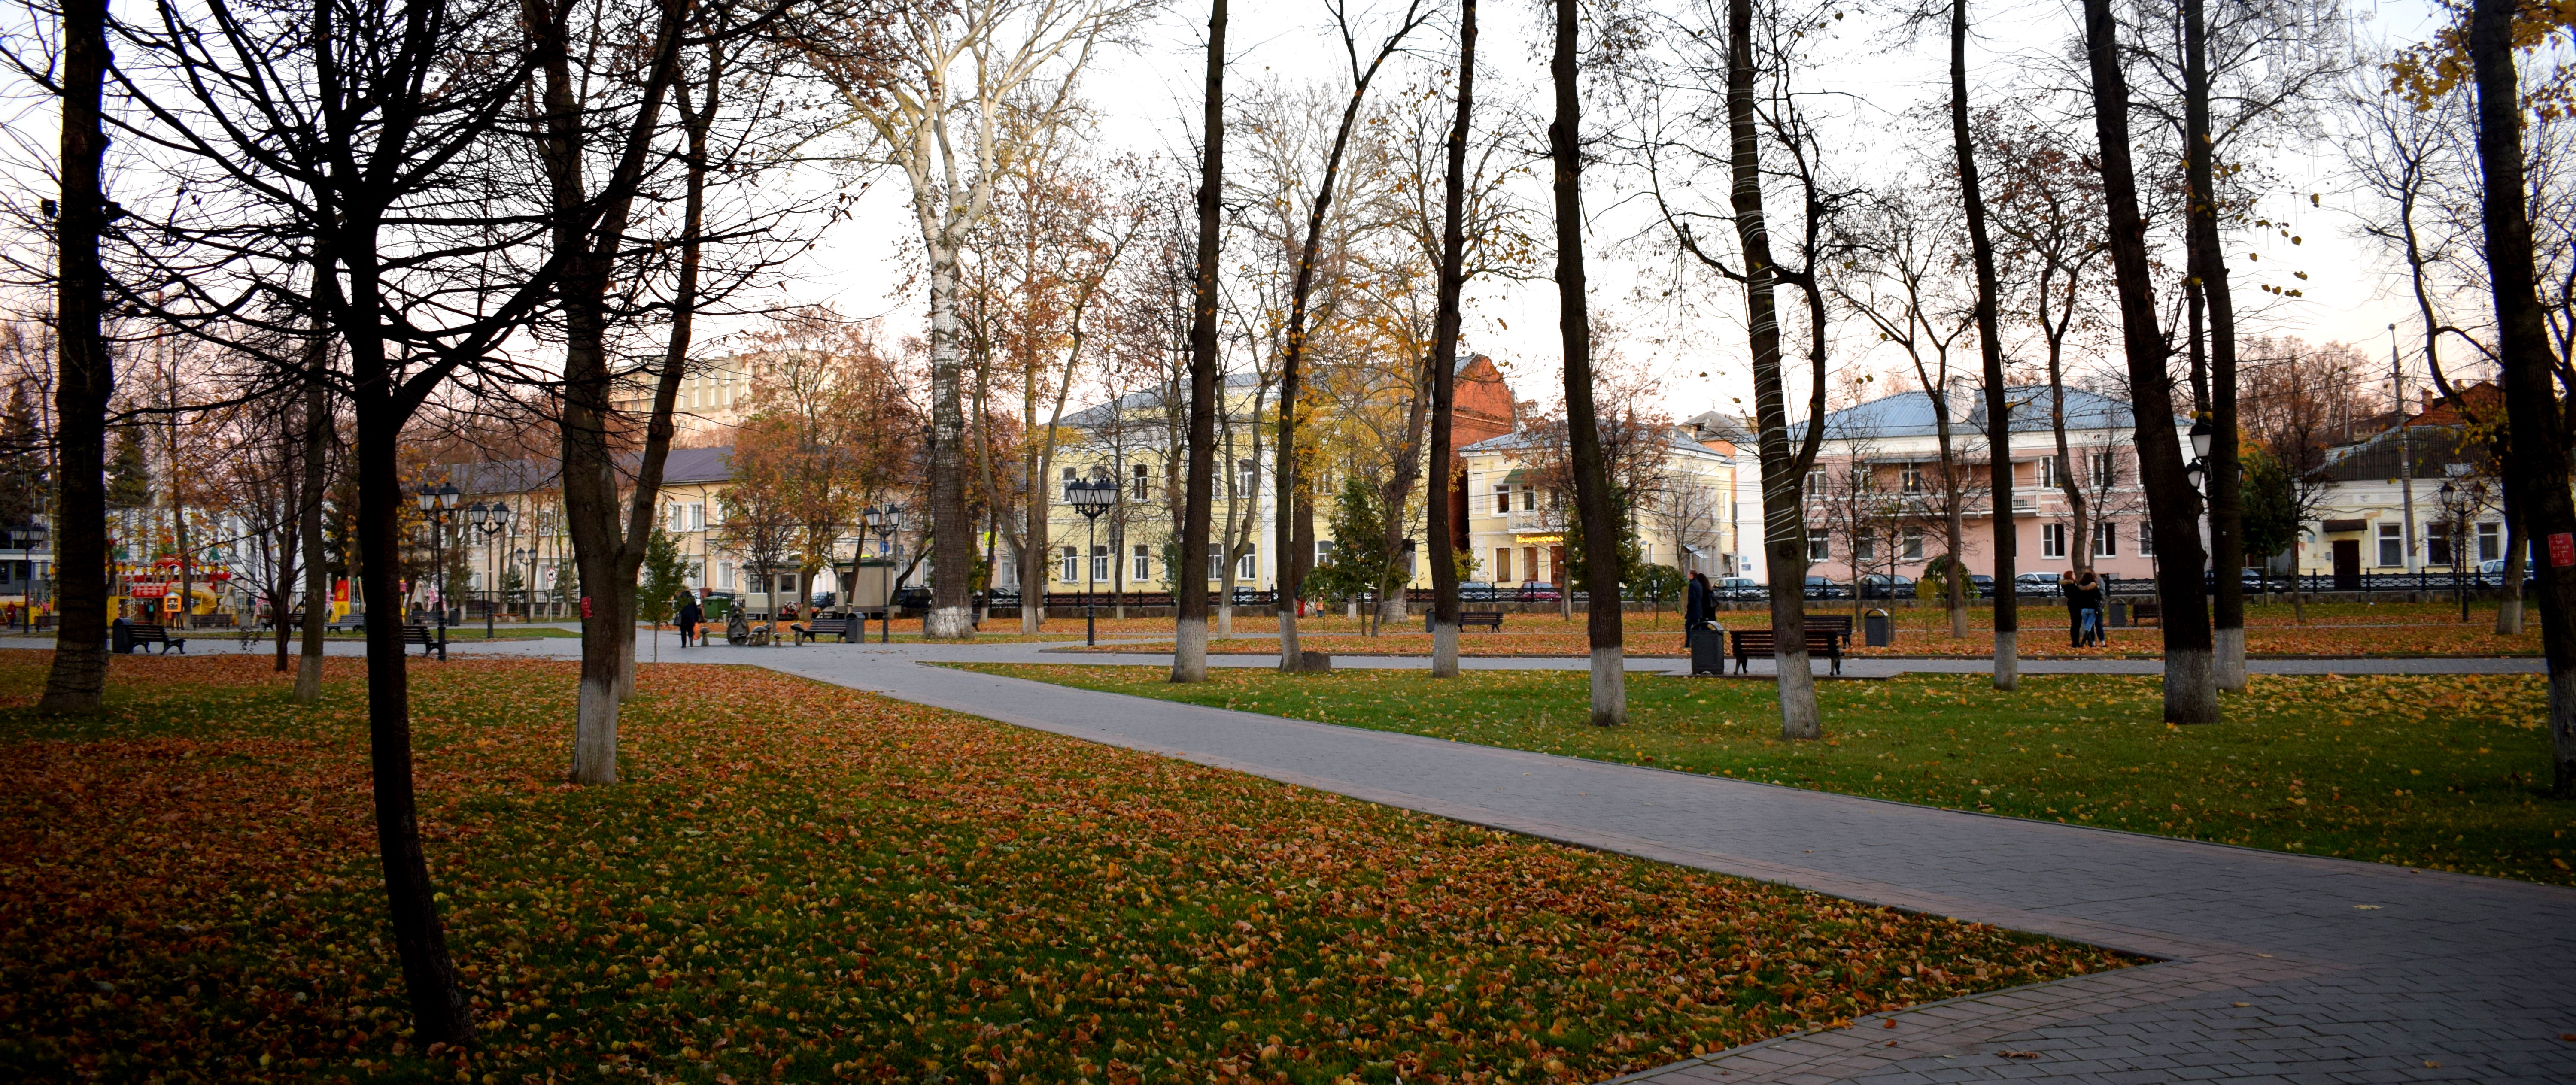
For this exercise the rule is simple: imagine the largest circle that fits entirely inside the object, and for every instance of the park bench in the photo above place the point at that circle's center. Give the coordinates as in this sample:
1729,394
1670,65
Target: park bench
1840,625
2143,611
1490,619
140,634
1748,643
818,628
420,635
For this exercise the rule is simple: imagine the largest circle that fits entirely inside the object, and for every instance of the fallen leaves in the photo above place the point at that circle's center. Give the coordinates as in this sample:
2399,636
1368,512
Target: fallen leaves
801,881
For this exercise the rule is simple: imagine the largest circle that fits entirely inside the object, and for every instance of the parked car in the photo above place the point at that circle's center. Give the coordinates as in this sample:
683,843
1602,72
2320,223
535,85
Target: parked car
1885,586
1741,588
1536,591
1981,586
1825,588
2040,584
1475,591
2491,574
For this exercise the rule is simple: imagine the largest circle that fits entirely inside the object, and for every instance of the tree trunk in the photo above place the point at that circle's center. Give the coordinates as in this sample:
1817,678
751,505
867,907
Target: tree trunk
2190,696
1784,523
1583,431
2509,593
317,580
2209,267
1444,359
86,377
2536,486
952,540
1189,590
1981,247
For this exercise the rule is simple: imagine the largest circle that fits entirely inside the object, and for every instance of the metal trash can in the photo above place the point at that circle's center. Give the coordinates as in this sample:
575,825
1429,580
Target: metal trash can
2119,616
1707,651
120,636
1877,629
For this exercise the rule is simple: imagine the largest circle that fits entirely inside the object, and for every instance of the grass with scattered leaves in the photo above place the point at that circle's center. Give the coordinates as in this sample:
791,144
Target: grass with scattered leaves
803,882
2446,771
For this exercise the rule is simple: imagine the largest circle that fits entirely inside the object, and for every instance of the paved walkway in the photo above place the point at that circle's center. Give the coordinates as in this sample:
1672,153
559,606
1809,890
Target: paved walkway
2272,967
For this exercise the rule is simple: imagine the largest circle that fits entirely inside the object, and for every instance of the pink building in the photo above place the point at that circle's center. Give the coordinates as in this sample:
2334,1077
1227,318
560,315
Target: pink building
1877,503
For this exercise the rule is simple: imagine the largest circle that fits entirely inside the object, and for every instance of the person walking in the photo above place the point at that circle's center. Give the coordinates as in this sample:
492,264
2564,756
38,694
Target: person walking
690,616
2085,598
1699,607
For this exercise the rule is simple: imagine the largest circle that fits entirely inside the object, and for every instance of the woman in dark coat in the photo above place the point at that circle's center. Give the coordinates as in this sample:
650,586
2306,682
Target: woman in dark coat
690,616
2085,599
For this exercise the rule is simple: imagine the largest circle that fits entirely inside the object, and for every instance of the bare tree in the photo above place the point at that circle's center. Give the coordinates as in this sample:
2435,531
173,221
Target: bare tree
1189,593
940,106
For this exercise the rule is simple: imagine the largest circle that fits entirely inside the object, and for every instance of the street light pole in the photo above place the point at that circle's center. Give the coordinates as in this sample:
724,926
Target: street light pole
488,520
1090,499
439,502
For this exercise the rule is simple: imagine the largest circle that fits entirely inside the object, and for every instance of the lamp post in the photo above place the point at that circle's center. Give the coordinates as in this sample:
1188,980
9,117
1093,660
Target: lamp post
438,502
1090,499
886,523
489,519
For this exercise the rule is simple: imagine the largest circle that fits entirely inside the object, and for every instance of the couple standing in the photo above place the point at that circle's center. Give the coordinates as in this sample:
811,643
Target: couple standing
2083,592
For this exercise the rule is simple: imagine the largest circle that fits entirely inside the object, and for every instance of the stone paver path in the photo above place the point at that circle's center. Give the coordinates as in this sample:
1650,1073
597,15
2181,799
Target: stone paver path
2271,967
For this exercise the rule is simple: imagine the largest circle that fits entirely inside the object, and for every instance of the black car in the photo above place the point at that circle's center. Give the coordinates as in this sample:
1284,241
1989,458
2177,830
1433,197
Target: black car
1981,586
1824,588
1885,586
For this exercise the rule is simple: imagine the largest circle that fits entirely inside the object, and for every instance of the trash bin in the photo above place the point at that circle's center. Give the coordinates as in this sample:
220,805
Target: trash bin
1708,651
1877,629
2119,617
120,636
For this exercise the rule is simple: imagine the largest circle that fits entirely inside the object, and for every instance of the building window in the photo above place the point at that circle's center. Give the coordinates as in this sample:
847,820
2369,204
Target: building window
1815,483
1248,567
698,516
1142,482
1913,544
1247,481
2437,543
1072,566
1864,547
2106,539
1529,563
2392,545
1099,562
1819,544
1911,478
1502,564
1216,561
1502,498
2052,541
1529,499
1144,564
2490,542
2045,471
2146,538
1071,476
723,569
2105,470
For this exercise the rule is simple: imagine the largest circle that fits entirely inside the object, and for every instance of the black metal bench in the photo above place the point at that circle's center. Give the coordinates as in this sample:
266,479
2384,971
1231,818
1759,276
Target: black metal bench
1748,643
421,635
816,629
2147,610
139,634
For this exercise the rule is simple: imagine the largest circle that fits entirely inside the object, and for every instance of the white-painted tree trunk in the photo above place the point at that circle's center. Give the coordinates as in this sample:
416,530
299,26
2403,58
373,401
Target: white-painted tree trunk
2230,658
1444,649
2189,692
1189,652
2007,659
1609,687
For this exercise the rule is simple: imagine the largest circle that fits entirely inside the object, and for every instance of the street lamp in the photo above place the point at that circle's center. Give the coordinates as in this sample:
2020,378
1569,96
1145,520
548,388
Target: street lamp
1090,499
489,520
438,501
2202,437
885,523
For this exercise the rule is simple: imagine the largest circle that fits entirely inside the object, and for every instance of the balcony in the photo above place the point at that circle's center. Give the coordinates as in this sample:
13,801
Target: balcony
1520,523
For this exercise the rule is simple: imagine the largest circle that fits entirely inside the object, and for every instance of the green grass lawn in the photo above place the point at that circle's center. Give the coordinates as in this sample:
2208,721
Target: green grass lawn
800,882
2442,772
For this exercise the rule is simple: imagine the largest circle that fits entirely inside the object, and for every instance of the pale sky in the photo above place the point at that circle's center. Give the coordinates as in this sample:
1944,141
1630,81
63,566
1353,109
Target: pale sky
1148,96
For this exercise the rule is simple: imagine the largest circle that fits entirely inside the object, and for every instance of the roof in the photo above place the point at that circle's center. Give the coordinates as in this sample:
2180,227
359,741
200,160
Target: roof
1103,413
680,467
1678,437
1909,414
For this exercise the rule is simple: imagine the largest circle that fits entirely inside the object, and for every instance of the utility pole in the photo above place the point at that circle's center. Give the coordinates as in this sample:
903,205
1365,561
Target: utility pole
2405,448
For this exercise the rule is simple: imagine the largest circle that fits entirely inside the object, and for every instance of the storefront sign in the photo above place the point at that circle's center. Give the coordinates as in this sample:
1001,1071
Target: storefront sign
2562,550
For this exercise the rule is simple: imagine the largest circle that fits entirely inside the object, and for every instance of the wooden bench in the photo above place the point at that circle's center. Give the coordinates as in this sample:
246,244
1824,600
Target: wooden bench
1490,619
139,634
818,628
420,635
1747,643
1839,625
2143,611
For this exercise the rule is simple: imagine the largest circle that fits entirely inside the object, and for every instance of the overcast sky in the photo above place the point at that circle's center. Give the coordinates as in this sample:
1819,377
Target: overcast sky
1148,96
